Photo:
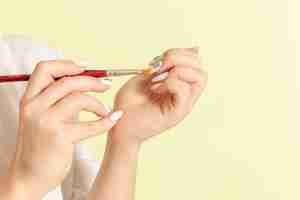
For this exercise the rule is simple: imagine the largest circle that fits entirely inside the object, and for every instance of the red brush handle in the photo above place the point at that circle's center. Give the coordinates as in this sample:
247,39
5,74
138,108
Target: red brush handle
25,77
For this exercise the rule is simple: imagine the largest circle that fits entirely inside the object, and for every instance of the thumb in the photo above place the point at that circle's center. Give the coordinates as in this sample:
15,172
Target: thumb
83,130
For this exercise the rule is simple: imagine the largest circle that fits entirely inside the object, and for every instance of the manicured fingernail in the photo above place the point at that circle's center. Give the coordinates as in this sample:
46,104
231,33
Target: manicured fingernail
115,116
160,77
106,81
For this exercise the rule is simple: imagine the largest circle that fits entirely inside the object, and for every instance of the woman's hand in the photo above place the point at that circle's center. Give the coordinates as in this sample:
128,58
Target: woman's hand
47,126
153,104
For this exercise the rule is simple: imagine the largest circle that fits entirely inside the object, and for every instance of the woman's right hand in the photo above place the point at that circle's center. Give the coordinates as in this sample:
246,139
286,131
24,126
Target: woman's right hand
47,130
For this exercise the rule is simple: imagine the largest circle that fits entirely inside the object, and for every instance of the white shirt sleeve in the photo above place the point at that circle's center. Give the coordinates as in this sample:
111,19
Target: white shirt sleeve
83,173
22,54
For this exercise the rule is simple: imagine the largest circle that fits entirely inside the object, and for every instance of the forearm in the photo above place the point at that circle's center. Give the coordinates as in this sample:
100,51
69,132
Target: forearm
117,176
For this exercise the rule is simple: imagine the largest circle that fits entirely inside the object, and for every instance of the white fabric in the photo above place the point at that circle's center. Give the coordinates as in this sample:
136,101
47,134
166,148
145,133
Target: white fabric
19,54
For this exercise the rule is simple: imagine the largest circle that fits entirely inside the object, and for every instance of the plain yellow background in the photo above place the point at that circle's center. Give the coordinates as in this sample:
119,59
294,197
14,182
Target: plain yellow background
242,140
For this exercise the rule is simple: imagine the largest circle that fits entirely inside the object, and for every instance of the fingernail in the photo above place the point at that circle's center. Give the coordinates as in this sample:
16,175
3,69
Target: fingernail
160,77
106,81
115,116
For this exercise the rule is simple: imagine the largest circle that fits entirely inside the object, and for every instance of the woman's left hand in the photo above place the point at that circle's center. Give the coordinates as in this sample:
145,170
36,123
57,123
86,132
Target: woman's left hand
152,104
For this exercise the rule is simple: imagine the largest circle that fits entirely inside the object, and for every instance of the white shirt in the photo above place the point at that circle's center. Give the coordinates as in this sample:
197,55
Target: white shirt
19,54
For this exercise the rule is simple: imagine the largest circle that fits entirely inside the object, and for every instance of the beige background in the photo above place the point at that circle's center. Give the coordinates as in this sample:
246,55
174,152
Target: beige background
242,141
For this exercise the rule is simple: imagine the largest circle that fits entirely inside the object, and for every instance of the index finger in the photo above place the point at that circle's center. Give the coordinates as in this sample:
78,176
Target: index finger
180,57
45,74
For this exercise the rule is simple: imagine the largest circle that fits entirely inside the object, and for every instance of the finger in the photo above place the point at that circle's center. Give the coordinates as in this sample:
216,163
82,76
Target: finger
83,130
187,74
156,87
183,58
168,82
72,104
194,51
67,85
195,80
45,73
178,88
160,77
198,88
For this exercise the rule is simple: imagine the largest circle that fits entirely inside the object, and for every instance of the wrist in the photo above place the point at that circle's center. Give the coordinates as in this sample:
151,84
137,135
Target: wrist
118,139
123,146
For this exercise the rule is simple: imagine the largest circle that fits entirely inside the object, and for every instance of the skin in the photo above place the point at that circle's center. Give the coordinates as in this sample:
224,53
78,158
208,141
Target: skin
161,104
47,129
